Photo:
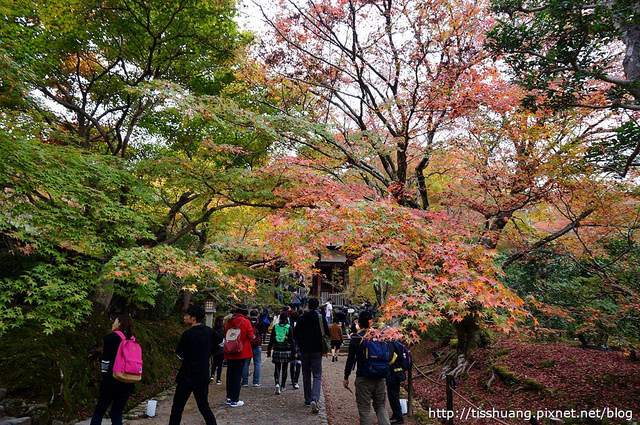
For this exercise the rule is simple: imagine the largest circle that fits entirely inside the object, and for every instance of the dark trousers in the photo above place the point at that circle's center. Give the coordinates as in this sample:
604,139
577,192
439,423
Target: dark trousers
311,367
393,392
295,371
216,368
200,393
109,396
234,378
280,368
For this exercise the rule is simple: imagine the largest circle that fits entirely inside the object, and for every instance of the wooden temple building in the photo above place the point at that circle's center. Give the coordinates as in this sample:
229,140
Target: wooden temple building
331,281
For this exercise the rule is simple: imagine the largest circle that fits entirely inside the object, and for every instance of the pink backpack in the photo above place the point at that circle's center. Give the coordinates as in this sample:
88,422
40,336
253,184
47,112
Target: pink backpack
127,366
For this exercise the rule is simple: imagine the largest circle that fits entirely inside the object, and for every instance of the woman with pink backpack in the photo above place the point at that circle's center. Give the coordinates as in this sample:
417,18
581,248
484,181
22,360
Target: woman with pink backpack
112,391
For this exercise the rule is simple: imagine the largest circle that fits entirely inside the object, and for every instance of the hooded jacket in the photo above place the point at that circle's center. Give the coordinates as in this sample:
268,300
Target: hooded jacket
246,334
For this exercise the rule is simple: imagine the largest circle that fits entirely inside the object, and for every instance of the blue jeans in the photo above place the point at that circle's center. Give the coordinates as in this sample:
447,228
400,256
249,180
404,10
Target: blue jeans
257,362
311,365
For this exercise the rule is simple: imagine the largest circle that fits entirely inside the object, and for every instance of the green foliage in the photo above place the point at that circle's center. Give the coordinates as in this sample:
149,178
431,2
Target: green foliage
54,295
574,298
58,221
64,367
613,154
559,48
117,153
47,185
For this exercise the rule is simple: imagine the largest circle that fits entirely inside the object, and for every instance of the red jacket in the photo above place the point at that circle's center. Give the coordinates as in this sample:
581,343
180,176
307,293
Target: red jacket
246,334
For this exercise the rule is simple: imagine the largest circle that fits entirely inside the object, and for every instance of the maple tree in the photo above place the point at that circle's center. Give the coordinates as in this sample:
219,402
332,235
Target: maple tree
566,48
508,161
389,77
434,271
91,70
103,165
577,54
414,110
391,80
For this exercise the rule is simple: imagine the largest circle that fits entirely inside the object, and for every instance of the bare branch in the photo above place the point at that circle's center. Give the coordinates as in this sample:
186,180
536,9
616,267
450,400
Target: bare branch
542,242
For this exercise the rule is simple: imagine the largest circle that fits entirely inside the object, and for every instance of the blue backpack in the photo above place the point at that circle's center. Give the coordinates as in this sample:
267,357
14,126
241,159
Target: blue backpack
375,357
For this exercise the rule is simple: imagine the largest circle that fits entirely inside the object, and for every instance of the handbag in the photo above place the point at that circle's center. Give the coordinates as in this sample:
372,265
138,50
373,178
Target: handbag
326,344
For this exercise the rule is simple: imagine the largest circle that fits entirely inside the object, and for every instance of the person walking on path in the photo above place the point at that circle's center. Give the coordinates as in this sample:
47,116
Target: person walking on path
237,349
194,349
256,348
368,389
113,392
328,311
281,342
296,363
218,353
397,374
263,324
335,334
308,337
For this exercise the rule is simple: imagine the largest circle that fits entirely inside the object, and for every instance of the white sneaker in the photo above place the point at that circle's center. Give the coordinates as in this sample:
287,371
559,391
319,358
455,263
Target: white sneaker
256,385
314,407
237,403
277,389
296,386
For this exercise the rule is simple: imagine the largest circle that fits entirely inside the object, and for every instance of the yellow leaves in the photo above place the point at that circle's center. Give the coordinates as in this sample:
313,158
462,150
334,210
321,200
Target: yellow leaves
190,288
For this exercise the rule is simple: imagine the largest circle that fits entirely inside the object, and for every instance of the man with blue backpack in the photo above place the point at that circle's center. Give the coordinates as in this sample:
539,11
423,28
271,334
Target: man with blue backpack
373,357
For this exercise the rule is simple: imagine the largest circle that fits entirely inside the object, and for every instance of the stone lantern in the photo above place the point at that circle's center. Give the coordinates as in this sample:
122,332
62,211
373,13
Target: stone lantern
209,309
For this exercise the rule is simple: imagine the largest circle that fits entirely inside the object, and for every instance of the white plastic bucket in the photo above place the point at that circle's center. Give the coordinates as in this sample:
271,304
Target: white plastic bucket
403,406
151,408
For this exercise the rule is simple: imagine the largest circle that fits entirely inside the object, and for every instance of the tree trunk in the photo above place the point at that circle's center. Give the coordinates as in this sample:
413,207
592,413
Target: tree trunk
469,335
186,300
103,296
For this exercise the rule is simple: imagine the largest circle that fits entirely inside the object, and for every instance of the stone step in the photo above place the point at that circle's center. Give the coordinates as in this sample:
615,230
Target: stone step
343,349
16,421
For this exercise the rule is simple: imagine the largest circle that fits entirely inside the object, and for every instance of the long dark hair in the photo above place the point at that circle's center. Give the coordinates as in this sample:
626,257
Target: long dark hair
126,325
293,318
218,323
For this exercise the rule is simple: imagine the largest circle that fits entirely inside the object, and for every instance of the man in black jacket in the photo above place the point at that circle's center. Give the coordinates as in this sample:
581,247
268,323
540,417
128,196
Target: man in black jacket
195,346
308,337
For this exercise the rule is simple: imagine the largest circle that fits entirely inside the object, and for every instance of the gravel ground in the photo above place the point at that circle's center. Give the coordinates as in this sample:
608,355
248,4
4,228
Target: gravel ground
263,406
341,403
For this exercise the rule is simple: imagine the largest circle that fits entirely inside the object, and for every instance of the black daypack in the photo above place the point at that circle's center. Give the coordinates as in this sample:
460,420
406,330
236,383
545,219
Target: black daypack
403,362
